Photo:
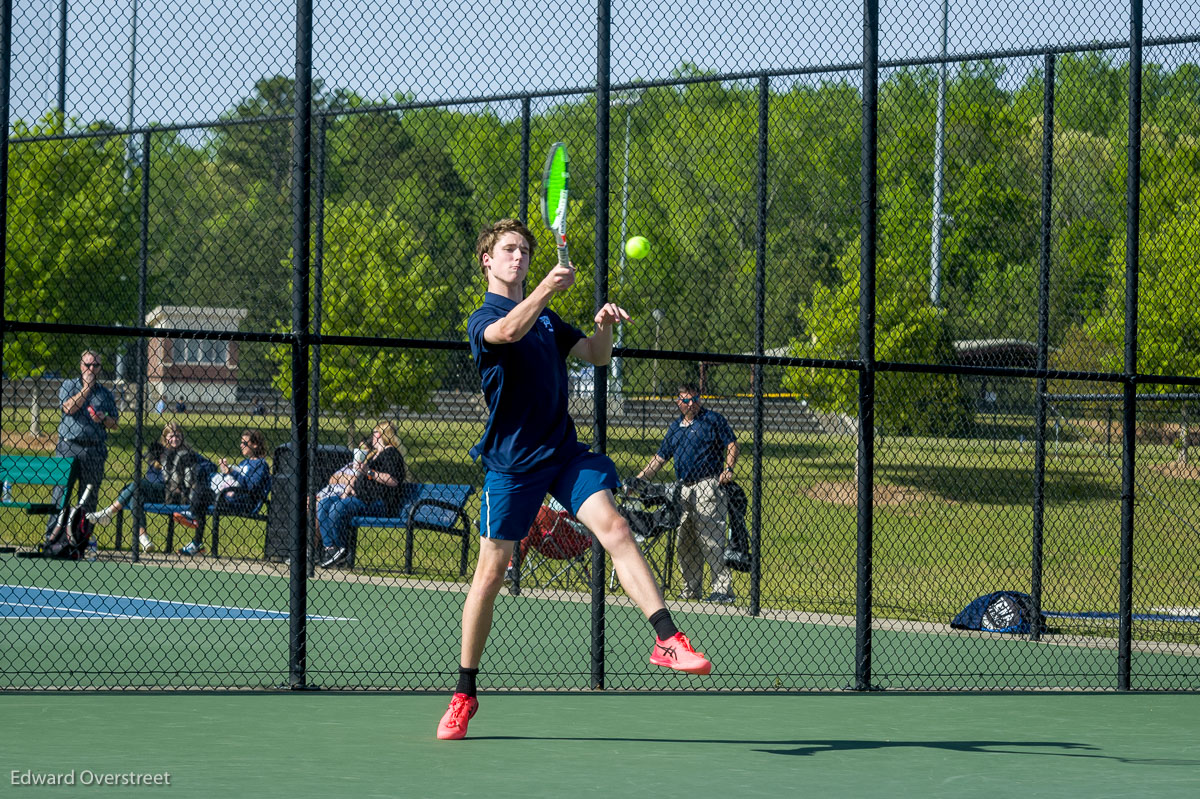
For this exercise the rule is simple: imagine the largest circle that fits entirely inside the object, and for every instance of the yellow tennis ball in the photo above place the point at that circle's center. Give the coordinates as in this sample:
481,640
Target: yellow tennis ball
637,247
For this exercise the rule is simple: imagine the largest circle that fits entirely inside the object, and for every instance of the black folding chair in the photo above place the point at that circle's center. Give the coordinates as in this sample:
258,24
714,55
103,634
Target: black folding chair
653,511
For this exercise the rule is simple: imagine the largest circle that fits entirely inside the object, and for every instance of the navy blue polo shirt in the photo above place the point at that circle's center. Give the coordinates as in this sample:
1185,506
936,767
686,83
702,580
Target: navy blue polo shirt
525,386
699,448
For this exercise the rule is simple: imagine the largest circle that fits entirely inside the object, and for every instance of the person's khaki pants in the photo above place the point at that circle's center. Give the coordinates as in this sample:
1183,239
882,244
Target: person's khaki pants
701,538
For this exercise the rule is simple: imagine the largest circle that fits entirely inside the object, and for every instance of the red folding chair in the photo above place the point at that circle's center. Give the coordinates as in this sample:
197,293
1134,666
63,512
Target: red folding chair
557,552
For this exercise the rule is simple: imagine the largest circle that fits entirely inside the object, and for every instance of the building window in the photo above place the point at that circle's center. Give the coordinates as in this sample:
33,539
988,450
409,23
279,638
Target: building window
200,351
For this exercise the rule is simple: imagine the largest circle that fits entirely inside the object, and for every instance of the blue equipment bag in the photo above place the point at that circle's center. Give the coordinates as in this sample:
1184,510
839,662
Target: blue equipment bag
999,612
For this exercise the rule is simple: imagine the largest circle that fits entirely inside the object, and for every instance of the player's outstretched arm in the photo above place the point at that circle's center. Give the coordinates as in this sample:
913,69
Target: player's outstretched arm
517,322
596,349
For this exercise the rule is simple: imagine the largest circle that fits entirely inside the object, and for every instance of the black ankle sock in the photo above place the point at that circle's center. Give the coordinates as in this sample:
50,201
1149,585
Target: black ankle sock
466,681
664,628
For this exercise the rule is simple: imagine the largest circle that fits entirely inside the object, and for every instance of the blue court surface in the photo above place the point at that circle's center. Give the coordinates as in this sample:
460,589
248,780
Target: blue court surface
26,602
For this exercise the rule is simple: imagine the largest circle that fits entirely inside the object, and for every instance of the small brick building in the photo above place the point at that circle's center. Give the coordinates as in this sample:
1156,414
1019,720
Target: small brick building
193,370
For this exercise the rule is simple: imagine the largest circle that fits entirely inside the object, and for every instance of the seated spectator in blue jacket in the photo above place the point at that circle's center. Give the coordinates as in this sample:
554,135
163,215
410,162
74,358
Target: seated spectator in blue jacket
232,489
370,485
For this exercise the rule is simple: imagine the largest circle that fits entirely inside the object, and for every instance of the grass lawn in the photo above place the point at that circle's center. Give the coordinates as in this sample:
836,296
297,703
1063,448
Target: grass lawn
953,517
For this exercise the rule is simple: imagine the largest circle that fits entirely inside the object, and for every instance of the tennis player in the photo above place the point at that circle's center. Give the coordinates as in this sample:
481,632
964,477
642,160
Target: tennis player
529,449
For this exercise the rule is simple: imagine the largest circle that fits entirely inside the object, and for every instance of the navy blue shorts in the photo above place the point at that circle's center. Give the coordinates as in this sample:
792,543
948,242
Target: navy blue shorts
511,501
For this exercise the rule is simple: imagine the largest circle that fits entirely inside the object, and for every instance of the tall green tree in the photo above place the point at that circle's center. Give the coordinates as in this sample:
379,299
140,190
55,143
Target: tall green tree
234,192
908,329
1168,301
262,151
376,280
72,242
395,161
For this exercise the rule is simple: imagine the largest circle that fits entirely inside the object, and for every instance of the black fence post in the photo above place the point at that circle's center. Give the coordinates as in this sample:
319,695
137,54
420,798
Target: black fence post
61,95
301,228
523,212
318,292
760,302
139,432
1043,345
866,349
600,389
5,76
1129,434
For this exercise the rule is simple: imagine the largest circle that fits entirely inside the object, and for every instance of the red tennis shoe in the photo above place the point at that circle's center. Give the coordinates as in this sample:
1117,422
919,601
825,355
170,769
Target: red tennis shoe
453,725
676,653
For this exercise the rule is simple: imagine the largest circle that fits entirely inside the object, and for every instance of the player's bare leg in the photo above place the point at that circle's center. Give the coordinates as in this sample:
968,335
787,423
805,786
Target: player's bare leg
479,607
599,514
478,610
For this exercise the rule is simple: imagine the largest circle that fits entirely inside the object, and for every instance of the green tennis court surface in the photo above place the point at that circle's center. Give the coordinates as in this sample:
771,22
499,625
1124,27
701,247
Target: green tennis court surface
129,626
576,744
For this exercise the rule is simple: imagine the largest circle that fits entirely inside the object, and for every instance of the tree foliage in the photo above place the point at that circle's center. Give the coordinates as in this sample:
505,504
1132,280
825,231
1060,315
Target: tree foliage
376,280
404,192
72,242
909,329
1168,302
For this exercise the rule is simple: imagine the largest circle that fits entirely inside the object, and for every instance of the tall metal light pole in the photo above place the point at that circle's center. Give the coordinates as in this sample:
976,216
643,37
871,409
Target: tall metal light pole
133,32
659,314
939,146
629,101
61,107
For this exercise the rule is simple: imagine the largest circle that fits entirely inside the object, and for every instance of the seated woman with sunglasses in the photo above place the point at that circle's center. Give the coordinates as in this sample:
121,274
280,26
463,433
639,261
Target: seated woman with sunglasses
233,489
370,485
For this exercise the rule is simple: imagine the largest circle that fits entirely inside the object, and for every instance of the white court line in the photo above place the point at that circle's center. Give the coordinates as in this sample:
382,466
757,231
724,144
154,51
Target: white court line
278,614
58,607
172,618
81,614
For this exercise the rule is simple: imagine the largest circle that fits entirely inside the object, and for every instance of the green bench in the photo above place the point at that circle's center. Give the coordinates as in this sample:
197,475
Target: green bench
37,470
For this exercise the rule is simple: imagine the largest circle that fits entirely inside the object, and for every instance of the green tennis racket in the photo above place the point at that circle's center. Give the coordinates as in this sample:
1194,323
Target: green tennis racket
555,183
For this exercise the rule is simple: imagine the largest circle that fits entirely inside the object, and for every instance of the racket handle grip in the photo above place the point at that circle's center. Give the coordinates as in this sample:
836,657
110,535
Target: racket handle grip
564,259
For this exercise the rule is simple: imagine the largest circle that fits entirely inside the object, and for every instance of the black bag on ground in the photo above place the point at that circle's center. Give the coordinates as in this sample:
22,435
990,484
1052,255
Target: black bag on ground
999,612
737,547
67,537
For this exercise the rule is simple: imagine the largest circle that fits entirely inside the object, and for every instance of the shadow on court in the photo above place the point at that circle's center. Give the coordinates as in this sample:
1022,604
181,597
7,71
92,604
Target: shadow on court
817,747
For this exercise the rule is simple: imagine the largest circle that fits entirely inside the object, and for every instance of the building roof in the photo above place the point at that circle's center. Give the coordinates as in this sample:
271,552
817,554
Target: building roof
996,352
196,317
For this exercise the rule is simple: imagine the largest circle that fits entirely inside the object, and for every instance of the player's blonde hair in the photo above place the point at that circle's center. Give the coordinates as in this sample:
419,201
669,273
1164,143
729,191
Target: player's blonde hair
492,233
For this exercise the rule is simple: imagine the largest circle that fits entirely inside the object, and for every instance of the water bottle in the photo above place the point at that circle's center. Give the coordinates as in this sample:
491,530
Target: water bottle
93,550
6,495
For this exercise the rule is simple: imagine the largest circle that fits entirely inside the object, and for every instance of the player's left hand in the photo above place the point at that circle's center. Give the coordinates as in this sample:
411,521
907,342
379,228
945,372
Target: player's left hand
611,313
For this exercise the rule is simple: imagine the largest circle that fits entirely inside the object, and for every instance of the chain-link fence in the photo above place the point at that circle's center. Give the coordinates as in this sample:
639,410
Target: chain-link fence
936,265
